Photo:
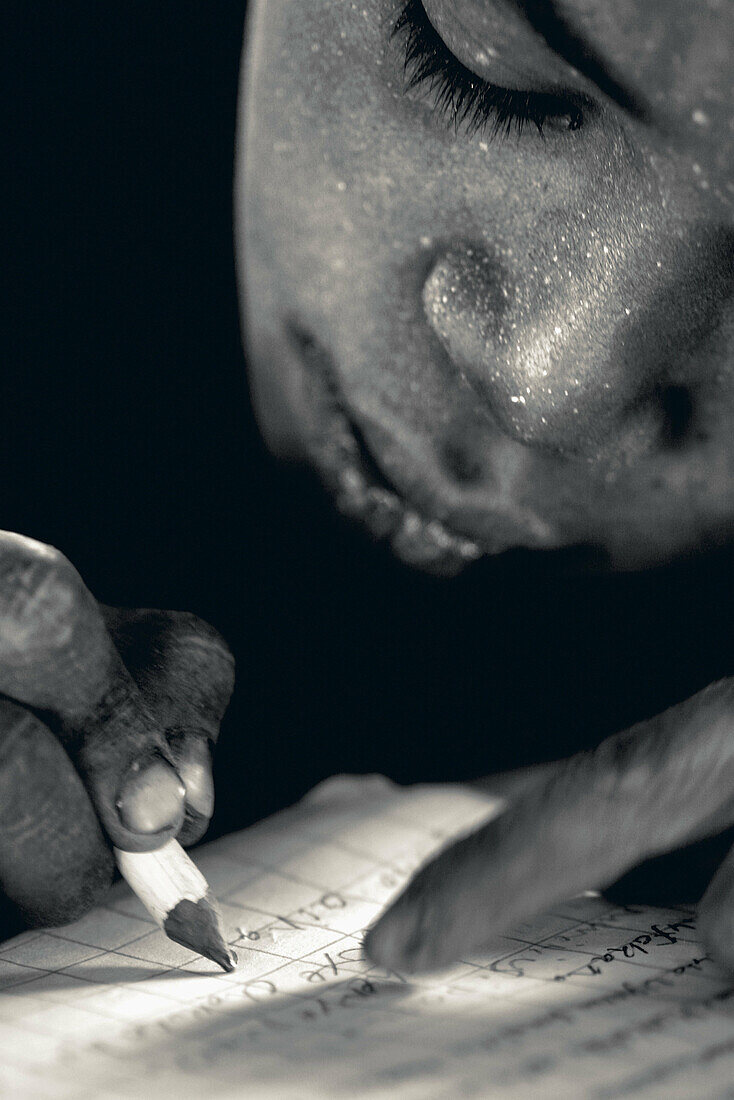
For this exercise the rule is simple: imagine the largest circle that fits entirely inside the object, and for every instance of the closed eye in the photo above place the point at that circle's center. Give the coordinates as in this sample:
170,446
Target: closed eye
466,99
545,17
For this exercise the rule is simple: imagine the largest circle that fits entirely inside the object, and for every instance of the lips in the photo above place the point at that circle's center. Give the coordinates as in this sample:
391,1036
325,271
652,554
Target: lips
349,470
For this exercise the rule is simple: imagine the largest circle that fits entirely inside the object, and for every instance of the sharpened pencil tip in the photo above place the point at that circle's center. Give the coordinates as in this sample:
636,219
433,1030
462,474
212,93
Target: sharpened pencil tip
196,925
226,959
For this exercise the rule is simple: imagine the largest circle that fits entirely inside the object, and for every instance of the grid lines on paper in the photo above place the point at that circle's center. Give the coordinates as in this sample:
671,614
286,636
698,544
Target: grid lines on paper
114,998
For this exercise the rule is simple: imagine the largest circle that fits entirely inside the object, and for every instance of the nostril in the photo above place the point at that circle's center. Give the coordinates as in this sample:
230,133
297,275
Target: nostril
677,409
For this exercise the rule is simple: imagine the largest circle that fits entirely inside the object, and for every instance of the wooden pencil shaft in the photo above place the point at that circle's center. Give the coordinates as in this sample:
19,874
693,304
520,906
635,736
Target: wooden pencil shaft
163,878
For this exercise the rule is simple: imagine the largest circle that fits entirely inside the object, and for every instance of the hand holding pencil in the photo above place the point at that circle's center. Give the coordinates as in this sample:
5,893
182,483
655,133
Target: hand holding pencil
105,729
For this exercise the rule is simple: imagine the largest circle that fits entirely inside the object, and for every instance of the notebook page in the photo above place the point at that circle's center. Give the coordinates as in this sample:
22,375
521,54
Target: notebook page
589,1000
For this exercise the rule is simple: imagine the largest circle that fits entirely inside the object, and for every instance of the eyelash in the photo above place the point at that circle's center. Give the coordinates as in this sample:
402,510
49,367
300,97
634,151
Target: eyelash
462,96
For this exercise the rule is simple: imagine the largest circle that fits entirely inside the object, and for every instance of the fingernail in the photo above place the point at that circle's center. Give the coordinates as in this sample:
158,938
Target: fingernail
193,828
195,769
151,799
394,942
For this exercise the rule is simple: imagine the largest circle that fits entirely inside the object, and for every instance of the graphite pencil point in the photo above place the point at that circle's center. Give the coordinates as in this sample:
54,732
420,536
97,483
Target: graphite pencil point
196,925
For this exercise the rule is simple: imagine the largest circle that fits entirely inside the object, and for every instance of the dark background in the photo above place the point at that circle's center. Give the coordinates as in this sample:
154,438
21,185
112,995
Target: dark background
127,440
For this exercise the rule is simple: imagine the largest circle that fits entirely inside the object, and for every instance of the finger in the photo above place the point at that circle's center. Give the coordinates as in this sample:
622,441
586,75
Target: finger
716,915
54,862
56,655
508,786
642,792
185,673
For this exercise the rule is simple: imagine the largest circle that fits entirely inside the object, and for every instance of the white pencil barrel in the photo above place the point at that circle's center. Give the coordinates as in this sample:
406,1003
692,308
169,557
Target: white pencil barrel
163,878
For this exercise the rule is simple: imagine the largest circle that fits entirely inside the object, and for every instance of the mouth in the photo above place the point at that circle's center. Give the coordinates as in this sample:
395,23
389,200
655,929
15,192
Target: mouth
363,492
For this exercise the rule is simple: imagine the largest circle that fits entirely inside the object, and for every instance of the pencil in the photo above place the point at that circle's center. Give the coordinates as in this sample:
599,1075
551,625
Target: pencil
177,896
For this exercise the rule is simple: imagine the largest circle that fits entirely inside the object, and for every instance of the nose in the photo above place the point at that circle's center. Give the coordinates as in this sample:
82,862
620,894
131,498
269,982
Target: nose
582,341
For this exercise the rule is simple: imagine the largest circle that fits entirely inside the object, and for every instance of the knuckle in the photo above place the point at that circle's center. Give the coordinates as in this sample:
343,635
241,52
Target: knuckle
188,629
175,652
193,829
207,652
624,766
197,658
38,590
24,558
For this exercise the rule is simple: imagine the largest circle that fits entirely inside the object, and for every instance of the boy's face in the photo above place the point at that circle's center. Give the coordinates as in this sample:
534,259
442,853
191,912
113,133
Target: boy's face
486,340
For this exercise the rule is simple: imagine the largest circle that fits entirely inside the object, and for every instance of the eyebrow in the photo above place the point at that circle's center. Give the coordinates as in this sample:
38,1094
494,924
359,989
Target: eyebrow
545,17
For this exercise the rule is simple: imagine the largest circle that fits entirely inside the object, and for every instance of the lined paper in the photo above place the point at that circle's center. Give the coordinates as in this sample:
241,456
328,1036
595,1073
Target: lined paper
589,1000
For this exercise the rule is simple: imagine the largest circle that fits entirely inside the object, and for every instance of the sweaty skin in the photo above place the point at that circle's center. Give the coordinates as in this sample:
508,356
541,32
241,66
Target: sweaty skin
495,341
534,336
